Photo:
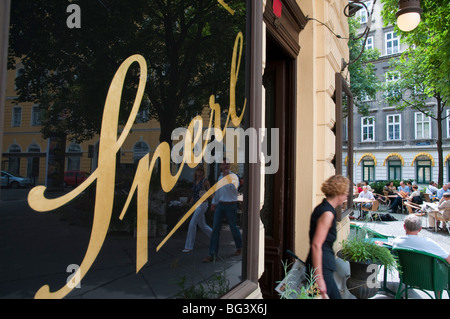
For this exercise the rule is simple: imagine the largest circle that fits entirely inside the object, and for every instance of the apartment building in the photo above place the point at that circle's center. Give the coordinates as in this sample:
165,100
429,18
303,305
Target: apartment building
391,144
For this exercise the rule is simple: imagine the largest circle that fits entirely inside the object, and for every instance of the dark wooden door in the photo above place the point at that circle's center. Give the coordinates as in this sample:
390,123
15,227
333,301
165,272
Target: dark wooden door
277,210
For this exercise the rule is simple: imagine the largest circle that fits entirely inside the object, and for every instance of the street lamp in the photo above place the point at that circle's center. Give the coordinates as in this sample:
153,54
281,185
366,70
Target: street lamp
408,14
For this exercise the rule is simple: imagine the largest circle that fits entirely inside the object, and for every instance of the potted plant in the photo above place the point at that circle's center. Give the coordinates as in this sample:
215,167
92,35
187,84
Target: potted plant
364,256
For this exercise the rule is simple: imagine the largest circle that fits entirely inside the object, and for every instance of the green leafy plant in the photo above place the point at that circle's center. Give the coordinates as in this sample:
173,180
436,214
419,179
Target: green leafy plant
359,248
309,290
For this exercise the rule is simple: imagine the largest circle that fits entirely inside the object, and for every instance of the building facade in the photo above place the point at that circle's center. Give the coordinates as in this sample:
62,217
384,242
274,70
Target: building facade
391,144
290,77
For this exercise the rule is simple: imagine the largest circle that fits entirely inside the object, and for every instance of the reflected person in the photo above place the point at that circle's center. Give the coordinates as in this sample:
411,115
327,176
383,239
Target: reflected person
225,204
201,185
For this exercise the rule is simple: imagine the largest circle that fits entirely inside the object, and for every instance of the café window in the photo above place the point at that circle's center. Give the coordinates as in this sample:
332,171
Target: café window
394,170
148,85
423,171
368,167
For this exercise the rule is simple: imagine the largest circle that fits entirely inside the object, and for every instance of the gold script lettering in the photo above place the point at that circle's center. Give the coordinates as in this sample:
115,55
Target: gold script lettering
105,172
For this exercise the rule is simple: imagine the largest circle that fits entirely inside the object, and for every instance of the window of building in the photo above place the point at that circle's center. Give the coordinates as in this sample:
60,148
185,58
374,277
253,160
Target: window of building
73,161
35,115
14,161
363,13
368,129
423,171
16,116
422,126
392,43
140,149
33,162
394,170
391,90
368,167
394,127
369,43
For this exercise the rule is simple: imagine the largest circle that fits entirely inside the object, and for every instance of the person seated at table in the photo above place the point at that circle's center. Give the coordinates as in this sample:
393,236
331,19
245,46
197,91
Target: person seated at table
389,188
403,192
366,195
432,190
444,211
415,196
412,240
441,191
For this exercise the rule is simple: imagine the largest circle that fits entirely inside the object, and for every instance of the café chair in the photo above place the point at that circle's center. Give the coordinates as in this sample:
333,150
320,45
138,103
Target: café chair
374,208
422,271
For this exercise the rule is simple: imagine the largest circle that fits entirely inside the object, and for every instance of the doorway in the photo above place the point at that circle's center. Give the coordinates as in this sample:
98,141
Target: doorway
277,213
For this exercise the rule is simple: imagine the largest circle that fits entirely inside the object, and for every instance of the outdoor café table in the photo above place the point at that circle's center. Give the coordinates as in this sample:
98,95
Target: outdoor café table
365,201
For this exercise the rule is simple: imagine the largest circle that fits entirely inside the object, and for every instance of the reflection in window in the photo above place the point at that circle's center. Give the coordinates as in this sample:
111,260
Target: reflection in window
17,116
33,162
14,161
189,48
73,161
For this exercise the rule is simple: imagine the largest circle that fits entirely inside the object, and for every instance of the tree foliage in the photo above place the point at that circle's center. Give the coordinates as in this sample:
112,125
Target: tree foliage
187,45
432,39
363,80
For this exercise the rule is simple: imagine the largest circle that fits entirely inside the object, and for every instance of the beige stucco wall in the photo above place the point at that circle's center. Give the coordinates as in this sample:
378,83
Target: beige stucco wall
319,59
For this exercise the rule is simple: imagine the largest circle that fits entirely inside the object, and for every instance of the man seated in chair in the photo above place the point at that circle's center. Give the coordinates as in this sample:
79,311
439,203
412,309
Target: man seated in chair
412,240
366,194
444,211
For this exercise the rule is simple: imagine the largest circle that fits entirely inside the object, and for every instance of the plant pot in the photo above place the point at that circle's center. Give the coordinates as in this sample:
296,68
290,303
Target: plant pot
363,282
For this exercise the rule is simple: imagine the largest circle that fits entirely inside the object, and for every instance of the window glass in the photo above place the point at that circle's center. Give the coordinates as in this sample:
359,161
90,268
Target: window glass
368,129
392,43
157,87
393,127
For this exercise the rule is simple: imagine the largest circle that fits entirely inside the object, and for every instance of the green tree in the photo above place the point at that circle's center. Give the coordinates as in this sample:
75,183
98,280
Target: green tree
363,80
424,69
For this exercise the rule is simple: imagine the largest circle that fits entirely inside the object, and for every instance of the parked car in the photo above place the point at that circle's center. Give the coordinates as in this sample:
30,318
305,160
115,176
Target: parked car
14,181
74,178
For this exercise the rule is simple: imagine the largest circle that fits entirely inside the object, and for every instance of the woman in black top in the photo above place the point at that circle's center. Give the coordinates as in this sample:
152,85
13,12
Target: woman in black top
322,235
